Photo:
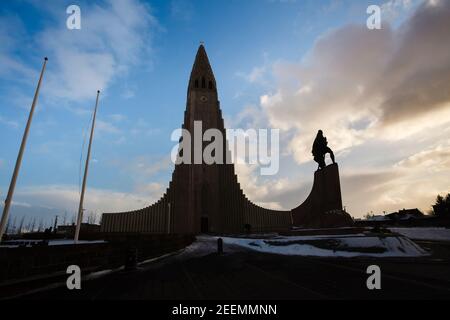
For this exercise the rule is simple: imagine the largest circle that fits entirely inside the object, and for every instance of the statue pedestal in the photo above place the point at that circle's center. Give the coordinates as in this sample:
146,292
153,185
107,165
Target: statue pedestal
323,207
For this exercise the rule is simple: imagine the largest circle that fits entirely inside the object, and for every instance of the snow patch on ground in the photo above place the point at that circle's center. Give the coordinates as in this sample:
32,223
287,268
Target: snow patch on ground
203,246
72,242
436,234
347,246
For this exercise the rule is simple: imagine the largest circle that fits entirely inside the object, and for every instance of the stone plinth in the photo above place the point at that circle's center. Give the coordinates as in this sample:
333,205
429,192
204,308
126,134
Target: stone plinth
323,207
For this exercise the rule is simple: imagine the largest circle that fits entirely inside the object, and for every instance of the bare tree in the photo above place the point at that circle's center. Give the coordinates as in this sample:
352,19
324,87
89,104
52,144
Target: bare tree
41,225
92,217
28,227
8,224
33,225
22,221
13,228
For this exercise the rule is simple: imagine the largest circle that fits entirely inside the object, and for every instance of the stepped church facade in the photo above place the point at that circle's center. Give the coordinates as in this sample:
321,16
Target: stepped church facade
207,198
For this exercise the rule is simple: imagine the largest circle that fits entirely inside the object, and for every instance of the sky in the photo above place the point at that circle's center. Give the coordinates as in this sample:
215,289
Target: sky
382,97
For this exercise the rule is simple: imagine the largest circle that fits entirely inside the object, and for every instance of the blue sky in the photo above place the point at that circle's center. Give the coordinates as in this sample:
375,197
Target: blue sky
263,53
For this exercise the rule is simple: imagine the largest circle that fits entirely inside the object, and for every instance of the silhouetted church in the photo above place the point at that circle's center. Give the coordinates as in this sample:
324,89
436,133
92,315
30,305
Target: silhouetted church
208,198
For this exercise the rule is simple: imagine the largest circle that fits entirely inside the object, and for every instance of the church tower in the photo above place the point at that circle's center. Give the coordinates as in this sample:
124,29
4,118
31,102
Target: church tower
203,110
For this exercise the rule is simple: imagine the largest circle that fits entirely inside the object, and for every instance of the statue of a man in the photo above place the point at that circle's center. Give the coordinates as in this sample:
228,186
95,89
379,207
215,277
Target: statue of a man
320,149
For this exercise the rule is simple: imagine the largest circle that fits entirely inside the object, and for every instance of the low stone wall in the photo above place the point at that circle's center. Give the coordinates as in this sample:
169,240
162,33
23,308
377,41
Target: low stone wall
28,262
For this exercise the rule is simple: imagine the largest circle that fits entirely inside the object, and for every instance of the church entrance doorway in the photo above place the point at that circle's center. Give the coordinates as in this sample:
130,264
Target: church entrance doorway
204,225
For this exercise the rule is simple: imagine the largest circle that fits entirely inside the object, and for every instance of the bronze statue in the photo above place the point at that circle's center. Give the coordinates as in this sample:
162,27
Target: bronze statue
320,149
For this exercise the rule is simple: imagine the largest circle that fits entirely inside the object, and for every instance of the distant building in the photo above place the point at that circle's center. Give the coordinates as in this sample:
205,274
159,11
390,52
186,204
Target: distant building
86,228
377,218
404,217
406,214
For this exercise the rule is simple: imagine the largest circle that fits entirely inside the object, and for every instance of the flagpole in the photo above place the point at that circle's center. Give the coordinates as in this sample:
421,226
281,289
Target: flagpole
12,185
83,188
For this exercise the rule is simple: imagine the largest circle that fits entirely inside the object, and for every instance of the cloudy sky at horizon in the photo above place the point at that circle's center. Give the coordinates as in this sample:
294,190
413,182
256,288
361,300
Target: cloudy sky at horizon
382,97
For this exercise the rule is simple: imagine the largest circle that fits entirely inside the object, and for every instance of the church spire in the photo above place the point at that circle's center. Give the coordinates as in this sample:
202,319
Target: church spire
202,76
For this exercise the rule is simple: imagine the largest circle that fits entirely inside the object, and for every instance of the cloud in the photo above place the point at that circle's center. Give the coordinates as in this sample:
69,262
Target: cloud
143,128
12,32
107,127
150,189
182,10
254,76
375,187
116,36
249,117
29,213
416,79
49,147
128,93
117,117
278,193
9,123
258,74
331,6
433,159
394,9
315,94
43,202
148,166
66,198
143,168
